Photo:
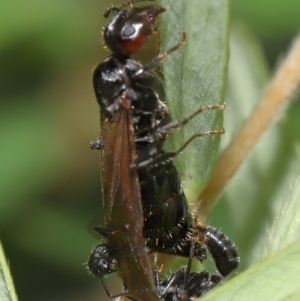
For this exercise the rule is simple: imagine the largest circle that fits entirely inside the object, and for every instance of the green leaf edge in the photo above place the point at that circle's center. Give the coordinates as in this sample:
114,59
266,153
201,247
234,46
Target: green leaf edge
286,226
274,278
7,290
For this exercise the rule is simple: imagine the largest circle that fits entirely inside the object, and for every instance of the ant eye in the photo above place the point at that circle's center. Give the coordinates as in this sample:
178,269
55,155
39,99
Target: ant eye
129,31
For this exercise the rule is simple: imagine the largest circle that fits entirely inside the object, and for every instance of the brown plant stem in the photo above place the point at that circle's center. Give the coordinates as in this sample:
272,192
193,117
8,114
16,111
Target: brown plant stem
279,91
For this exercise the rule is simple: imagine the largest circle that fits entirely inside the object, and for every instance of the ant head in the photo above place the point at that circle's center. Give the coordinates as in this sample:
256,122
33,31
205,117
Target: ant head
100,263
129,29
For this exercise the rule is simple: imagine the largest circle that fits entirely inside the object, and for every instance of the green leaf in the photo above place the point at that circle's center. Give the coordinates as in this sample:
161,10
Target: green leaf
250,191
258,15
195,76
7,291
255,193
276,278
286,226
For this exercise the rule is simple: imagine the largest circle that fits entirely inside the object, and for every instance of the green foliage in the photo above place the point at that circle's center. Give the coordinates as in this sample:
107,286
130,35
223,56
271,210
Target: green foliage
249,201
195,76
281,257
7,291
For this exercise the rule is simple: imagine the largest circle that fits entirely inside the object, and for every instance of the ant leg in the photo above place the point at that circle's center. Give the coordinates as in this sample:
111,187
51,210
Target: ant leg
159,159
152,155
172,155
105,231
107,291
160,58
172,126
187,275
200,283
114,296
197,283
119,7
160,290
156,271
108,294
169,287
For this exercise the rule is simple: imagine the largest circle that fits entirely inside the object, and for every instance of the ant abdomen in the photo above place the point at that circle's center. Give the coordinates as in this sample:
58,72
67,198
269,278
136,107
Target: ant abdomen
222,250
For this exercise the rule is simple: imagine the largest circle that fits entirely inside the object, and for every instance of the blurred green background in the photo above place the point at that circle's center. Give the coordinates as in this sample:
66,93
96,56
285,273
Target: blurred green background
49,189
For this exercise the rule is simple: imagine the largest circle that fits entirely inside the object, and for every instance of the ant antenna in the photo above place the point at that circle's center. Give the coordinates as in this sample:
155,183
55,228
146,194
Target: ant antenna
119,7
189,265
115,296
156,271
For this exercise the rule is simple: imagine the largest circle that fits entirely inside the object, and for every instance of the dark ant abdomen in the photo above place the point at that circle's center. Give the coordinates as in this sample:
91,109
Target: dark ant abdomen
168,222
222,250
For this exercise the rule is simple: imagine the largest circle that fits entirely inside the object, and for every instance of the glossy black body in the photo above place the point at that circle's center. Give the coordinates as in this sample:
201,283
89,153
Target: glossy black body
101,262
177,288
167,219
168,224
109,84
222,250
120,115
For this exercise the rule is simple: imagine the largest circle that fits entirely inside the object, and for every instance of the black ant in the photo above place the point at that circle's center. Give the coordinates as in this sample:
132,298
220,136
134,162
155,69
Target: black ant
136,172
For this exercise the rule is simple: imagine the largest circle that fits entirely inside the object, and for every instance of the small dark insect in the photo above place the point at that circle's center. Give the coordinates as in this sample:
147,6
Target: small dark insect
100,262
177,287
